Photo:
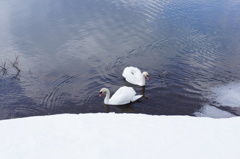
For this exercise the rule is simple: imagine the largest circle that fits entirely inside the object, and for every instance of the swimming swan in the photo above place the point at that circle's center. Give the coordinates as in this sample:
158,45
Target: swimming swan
134,76
123,95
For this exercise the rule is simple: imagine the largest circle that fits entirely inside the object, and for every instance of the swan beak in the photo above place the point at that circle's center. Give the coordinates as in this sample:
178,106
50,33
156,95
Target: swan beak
148,77
100,94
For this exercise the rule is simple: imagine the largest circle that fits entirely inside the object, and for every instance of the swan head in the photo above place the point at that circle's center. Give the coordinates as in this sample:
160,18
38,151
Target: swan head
102,91
146,75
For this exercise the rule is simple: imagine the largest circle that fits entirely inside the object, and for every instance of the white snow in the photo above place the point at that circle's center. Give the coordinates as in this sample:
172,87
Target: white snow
123,136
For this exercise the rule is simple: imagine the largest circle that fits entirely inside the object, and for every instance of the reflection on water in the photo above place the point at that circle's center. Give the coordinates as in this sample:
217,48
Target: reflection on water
128,108
210,111
68,50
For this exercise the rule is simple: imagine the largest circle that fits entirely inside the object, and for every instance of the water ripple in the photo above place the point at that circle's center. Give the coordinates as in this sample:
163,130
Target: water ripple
74,48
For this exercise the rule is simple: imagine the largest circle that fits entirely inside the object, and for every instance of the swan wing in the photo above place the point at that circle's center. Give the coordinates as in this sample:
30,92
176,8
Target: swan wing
135,71
122,96
132,75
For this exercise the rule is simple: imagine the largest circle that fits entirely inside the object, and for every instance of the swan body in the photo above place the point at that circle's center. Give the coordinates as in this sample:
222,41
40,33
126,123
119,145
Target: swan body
134,76
123,95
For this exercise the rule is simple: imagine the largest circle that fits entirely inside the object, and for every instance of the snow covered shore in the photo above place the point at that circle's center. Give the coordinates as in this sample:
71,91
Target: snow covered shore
128,136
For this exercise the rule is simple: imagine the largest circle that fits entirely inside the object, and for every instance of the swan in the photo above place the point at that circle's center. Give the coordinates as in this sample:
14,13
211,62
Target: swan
123,95
134,76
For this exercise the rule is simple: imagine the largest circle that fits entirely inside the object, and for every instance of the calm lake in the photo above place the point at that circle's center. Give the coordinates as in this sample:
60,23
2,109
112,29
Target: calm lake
56,55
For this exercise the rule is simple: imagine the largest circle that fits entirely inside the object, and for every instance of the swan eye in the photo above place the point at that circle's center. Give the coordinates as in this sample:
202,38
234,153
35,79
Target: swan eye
100,94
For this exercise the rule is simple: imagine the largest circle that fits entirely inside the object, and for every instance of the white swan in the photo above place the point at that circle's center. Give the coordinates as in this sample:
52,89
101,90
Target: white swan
123,95
134,76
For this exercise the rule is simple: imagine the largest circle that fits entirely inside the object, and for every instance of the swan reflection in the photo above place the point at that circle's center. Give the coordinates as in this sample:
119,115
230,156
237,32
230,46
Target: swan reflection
143,93
127,108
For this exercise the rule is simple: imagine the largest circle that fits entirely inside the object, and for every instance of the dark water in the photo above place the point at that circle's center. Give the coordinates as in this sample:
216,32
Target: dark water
68,50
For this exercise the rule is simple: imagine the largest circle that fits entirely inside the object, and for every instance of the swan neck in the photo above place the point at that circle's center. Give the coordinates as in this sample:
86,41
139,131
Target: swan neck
106,100
143,79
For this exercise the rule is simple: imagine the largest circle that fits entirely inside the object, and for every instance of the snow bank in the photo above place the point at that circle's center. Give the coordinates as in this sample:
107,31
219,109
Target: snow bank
128,136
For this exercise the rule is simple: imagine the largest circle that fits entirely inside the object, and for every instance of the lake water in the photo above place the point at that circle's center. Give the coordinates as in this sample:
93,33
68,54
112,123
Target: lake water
67,51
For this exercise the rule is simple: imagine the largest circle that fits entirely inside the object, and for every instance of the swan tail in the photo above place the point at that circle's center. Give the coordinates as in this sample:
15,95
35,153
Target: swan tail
136,98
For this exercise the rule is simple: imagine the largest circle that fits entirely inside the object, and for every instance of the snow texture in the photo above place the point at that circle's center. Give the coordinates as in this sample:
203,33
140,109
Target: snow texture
128,136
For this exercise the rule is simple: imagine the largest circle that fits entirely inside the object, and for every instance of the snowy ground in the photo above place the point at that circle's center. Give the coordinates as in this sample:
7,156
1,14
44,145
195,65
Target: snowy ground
108,136
128,136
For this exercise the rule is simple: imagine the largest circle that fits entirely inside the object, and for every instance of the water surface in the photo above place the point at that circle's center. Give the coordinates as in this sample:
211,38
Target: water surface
69,50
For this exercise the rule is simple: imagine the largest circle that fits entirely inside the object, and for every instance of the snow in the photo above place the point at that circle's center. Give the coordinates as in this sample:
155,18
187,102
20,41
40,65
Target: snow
128,136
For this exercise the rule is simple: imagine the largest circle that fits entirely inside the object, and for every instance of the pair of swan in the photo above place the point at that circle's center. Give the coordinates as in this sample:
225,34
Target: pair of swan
125,95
